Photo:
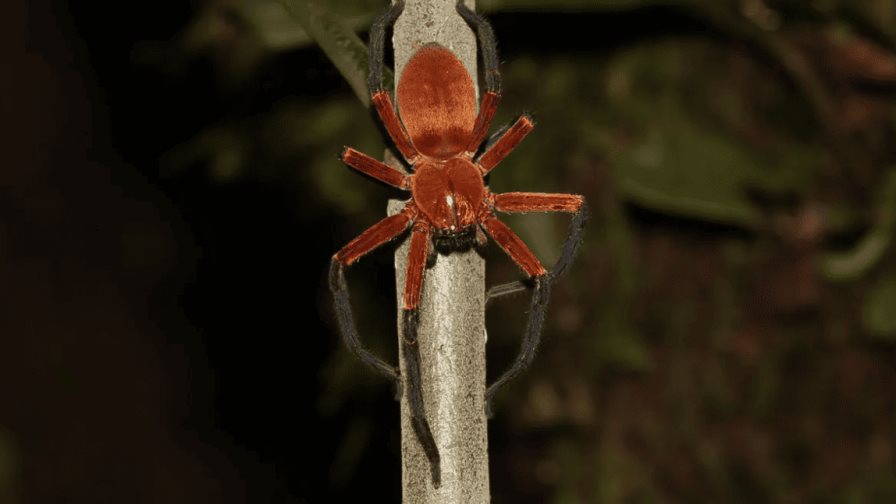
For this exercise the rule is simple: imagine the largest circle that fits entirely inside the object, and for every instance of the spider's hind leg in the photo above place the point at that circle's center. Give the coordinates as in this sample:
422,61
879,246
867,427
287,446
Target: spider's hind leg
379,97
377,43
480,242
410,348
431,257
506,289
491,75
487,45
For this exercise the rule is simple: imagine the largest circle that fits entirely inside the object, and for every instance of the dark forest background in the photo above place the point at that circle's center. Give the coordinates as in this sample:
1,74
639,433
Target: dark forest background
170,198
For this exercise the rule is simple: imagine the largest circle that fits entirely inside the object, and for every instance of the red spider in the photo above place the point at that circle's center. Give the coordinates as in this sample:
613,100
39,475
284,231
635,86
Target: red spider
439,134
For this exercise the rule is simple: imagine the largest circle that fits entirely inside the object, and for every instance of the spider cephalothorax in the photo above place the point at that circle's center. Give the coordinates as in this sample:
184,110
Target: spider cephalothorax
439,132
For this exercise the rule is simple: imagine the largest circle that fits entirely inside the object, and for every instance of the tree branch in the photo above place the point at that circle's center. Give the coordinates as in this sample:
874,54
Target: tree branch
452,315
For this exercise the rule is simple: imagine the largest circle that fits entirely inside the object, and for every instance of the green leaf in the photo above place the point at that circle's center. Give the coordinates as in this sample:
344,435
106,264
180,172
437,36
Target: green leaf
9,465
856,262
279,31
879,310
689,154
682,168
619,345
222,148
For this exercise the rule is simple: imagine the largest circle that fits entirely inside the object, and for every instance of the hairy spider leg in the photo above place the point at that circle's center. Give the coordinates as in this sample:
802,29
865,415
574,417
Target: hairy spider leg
525,202
487,45
375,168
537,202
375,236
487,109
494,137
377,42
491,74
506,143
521,202
498,147
386,110
514,247
421,237
531,339
382,102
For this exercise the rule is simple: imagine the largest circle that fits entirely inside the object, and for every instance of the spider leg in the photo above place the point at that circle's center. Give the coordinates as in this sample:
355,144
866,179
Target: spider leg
375,236
374,168
487,45
505,289
487,109
525,259
492,95
513,245
377,42
417,256
480,241
432,257
539,202
378,94
525,202
504,145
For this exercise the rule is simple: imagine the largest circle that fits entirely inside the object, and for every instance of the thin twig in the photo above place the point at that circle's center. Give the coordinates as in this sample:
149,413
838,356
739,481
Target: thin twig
452,316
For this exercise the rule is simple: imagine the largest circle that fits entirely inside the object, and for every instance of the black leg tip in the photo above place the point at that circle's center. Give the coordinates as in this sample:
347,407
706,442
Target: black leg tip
397,389
436,476
489,411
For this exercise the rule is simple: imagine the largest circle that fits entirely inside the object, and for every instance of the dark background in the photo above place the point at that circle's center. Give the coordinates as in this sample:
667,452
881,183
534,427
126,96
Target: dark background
170,198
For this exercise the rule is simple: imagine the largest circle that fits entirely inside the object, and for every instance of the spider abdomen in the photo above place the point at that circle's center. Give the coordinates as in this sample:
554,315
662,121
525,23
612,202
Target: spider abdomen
450,194
437,102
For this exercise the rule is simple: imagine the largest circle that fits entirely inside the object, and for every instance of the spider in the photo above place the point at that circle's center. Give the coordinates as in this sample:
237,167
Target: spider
440,135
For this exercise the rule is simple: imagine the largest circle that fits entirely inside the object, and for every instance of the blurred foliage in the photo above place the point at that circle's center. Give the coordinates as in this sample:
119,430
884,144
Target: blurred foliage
728,333
853,264
338,41
9,468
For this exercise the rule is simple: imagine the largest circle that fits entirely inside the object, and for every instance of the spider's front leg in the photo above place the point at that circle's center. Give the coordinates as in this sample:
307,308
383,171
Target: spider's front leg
375,168
421,237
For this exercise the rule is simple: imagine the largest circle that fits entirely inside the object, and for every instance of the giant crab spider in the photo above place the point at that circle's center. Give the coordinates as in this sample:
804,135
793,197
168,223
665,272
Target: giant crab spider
439,134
